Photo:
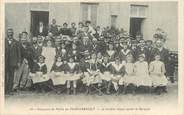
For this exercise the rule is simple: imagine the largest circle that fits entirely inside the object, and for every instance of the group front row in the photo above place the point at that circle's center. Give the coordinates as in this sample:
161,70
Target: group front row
126,74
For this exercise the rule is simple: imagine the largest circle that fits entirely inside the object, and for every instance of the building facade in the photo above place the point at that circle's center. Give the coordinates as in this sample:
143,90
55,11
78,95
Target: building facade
131,16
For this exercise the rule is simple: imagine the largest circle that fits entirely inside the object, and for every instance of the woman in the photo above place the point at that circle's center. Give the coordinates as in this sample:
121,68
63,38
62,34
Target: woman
49,53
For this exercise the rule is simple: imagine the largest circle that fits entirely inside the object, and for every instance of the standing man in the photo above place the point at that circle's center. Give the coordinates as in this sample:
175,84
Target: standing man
21,77
54,28
12,60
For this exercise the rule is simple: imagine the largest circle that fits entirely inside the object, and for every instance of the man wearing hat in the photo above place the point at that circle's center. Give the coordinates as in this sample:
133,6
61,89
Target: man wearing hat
12,60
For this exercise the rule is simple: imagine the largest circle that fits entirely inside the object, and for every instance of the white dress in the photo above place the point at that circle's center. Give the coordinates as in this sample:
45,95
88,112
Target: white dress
49,53
130,77
142,74
158,67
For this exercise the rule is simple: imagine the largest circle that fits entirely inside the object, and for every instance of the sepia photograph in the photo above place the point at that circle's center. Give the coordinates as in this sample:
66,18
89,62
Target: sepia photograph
91,57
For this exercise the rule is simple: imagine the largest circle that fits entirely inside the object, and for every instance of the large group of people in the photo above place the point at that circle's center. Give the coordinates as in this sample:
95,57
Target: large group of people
92,56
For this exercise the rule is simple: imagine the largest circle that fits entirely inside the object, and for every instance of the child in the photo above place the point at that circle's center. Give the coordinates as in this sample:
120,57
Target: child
49,53
117,71
39,74
57,71
124,51
71,70
93,76
63,50
99,58
105,72
110,52
130,78
142,73
74,52
157,73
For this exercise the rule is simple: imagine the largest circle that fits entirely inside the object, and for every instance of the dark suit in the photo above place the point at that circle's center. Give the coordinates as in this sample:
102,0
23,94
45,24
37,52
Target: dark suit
12,58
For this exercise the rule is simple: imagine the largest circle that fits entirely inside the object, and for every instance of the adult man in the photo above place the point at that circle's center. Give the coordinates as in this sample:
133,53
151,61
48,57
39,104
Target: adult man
12,60
54,28
22,73
73,29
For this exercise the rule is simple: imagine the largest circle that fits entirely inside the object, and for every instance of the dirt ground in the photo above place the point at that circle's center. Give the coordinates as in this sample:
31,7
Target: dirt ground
32,98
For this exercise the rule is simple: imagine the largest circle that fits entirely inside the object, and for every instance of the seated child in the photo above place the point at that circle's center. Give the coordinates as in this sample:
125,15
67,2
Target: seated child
39,74
142,74
93,75
105,72
117,71
71,70
157,73
129,78
57,72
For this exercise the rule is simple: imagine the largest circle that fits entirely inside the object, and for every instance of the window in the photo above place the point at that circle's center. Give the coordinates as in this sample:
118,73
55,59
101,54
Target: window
138,11
113,20
89,12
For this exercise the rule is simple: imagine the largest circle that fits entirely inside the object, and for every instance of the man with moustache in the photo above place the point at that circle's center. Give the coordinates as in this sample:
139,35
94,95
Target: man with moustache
12,60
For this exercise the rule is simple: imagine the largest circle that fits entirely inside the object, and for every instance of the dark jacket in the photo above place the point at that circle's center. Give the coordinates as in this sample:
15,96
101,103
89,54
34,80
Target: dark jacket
12,53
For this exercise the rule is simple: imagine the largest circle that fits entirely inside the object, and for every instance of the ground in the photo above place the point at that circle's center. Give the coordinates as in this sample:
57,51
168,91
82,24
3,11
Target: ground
33,100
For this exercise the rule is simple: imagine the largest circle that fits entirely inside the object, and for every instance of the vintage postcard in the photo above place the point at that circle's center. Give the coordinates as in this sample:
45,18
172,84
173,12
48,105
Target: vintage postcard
91,57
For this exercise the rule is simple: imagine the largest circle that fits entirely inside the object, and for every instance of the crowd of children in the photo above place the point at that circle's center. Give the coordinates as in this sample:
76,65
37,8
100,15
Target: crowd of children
96,56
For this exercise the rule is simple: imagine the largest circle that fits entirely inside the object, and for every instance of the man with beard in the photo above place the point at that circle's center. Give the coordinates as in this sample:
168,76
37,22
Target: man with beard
12,60
37,49
21,77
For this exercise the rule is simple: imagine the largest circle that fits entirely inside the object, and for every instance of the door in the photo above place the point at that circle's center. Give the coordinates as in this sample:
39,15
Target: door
36,17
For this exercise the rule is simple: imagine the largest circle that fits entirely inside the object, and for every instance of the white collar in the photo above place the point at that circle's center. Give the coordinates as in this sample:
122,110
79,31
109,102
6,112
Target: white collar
110,52
71,65
41,64
106,65
59,63
117,67
125,52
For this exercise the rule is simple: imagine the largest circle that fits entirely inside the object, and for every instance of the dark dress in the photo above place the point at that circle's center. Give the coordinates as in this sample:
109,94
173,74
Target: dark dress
54,30
57,68
65,31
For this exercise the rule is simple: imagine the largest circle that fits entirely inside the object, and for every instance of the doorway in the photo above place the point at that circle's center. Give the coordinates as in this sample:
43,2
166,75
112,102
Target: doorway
36,17
135,26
